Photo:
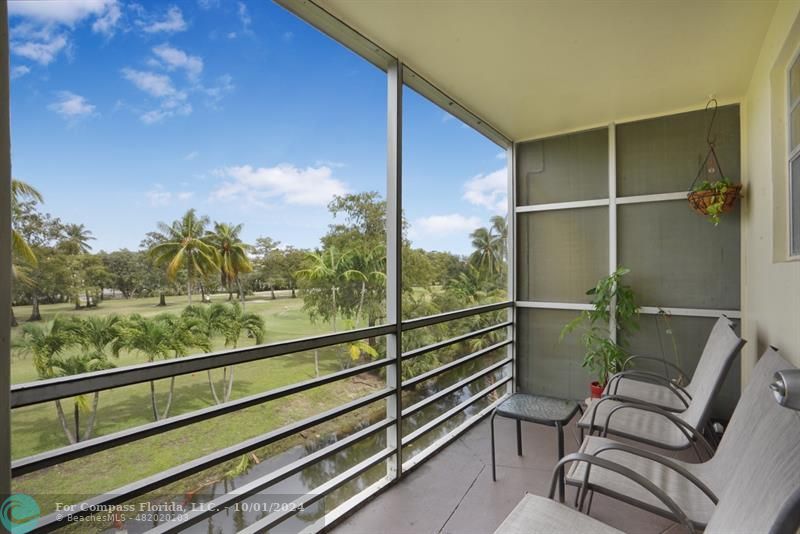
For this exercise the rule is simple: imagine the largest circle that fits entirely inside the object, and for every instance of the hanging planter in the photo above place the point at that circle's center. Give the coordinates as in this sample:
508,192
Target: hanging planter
711,193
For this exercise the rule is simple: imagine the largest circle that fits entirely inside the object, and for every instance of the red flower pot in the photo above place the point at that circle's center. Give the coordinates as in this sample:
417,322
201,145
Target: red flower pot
596,389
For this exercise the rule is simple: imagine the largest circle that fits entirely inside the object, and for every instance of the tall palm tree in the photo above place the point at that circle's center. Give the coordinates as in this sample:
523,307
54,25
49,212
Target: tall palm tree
76,239
485,257
181,245
327,267
499,231
231,255
22,253
238,322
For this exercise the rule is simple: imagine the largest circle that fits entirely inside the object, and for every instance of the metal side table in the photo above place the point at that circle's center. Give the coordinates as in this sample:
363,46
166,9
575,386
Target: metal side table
540,410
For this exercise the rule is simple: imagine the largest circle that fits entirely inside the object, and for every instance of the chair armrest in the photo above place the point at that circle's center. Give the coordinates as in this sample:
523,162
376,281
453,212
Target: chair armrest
654,378
680,515
618,398
662,361
666,462
688,430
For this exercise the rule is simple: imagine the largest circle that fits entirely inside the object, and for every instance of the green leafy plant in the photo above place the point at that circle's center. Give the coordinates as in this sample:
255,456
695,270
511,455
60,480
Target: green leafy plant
718,191
604,356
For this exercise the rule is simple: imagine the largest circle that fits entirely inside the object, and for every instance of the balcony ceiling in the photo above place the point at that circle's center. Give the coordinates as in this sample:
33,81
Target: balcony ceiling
533,68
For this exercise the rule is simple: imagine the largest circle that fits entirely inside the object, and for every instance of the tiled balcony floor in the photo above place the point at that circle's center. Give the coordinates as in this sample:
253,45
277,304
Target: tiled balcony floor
453,492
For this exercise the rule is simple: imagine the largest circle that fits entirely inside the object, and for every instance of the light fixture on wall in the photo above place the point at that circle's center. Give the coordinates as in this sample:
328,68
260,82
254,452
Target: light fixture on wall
711,193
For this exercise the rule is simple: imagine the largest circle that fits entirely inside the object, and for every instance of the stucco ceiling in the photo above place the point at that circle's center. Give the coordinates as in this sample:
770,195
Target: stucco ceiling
532,68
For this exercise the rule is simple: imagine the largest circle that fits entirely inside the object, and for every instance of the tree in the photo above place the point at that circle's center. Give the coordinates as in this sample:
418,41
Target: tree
485,258
237,322
48,344
325,272
76,239
159,338
231,255
181,245
21,251
210,320
368,268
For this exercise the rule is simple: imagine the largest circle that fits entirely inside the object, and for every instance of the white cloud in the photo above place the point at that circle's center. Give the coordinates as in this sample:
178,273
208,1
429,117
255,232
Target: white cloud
174,58
443,225
41,50
191,155
244,17
160,197
172,22
71,106
107,22
312,186
501,155
207,4
66,12
19,71
223,85
489,191
171,100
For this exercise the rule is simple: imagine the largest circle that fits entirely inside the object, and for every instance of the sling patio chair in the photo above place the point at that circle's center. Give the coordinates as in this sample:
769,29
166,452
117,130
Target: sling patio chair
693,486
662,428
760,460
667,392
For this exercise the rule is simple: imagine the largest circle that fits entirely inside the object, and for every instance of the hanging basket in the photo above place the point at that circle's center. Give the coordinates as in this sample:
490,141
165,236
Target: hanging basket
701,200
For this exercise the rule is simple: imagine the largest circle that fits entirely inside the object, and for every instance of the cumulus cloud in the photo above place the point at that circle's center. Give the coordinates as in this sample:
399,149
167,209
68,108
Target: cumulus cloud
173,58
311,186
172,21
71,106
19,71
444,225
67,12
489,191
106,24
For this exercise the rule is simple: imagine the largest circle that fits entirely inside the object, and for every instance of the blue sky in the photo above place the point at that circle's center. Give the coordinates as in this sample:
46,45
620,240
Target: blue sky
125,114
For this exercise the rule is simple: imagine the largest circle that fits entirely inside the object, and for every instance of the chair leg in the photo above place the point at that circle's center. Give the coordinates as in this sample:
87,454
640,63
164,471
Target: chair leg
494,470
560,455
519,437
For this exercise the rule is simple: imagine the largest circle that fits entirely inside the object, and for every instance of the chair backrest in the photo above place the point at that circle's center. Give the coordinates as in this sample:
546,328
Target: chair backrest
760,459
721,349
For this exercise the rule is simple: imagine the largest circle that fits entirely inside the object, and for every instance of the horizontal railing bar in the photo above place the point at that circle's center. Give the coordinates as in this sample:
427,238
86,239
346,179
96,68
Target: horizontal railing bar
447,342
458,385
343,510
451,316
145,485
101,443
70,386
647,310
433,423
436,446
455,363
554,206
320,491
239,494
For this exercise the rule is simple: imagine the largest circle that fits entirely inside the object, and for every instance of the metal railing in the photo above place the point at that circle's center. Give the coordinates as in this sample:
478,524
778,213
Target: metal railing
58,388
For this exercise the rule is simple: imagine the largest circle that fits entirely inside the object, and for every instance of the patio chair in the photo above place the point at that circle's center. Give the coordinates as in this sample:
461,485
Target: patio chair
694,487
759,457
656,426
660,389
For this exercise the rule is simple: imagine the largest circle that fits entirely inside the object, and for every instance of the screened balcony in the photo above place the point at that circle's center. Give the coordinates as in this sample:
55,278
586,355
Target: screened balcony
596,177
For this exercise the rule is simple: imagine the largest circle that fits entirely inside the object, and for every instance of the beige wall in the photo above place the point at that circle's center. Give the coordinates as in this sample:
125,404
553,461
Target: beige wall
770,285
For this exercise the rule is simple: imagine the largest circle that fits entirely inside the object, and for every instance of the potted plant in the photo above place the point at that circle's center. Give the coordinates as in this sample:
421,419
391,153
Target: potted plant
713,198
605,356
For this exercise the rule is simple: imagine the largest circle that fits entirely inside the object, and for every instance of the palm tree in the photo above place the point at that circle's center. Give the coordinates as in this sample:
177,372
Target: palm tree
47,344
159,338
366,267
485,257
76,239
210,321
327,267
231,255
181,245
21,250
499,231
236,323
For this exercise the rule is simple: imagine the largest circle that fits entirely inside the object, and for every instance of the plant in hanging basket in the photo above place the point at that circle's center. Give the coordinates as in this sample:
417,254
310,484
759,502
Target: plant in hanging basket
714,198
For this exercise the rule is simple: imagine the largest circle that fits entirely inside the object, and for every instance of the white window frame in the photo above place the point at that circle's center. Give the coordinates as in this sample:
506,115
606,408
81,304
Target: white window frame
791,155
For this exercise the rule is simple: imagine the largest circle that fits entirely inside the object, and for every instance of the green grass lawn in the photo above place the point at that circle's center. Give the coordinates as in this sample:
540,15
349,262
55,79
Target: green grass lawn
36,429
